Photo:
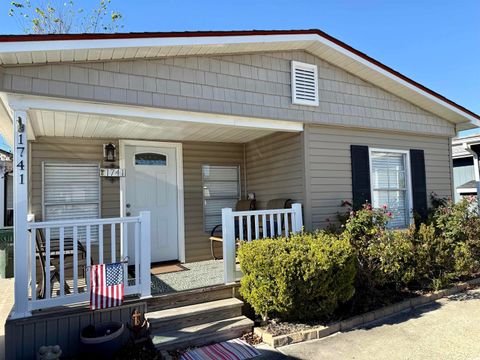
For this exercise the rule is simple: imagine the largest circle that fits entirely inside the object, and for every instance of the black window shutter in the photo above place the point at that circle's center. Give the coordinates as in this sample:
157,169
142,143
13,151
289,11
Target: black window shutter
419,184
360,176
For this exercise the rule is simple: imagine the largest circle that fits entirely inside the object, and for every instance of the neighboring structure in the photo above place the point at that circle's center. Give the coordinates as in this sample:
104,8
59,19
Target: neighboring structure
6,189
464,179
132,144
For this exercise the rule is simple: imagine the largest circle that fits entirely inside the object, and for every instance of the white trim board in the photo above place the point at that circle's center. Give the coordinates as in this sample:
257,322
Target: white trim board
466,191
59,45
180,188
96,108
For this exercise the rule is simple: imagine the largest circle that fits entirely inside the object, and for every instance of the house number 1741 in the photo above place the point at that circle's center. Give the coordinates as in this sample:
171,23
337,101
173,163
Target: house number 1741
20,150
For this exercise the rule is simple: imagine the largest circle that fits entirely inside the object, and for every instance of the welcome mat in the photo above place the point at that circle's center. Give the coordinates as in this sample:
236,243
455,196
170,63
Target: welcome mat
165,268
228,350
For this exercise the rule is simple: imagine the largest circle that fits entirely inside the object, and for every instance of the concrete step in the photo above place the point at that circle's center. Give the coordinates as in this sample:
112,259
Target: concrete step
201,334
194,314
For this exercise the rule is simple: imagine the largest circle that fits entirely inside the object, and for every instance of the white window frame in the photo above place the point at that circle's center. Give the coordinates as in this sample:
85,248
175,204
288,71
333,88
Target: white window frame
408,176
295,65
97,164
203,192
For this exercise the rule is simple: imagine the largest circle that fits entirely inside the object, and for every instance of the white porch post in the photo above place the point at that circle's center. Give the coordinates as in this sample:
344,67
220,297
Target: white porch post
228,235
20,200
145,255
298,225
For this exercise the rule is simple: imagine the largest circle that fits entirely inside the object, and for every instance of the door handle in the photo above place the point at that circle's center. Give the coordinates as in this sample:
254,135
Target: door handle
128,213
128,206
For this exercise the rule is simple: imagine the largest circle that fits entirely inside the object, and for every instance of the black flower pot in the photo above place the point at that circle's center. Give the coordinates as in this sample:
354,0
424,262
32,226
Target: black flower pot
103,340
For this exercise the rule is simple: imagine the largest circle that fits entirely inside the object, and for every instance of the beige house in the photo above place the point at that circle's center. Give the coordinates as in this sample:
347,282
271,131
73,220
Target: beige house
126,138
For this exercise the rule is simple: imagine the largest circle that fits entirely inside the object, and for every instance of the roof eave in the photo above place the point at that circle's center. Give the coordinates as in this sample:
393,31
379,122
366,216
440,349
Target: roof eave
55,42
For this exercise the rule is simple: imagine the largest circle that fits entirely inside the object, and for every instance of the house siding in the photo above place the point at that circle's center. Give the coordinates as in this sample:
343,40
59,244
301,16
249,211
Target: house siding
249,85
195,154
275,168
328,166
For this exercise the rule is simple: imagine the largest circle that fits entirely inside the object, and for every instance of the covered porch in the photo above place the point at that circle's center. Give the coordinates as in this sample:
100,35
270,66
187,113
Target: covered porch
59,147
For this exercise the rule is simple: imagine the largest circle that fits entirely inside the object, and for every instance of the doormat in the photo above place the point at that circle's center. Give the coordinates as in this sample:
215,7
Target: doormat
235,349
166,267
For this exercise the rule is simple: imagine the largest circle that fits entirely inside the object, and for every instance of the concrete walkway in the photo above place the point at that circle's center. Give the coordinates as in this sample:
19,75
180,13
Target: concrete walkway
6,303
447,329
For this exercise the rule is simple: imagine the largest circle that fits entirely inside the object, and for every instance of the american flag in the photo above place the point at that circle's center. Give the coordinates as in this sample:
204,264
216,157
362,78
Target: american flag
106,286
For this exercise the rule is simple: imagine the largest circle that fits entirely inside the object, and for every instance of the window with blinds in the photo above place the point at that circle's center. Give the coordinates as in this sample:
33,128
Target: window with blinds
390,185
221,189
71,191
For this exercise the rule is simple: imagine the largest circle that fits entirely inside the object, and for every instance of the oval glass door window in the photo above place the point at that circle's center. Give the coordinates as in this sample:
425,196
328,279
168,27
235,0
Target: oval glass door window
150,159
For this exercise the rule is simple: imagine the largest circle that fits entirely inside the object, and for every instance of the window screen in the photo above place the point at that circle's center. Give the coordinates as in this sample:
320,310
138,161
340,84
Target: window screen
71,191
221,189
389,185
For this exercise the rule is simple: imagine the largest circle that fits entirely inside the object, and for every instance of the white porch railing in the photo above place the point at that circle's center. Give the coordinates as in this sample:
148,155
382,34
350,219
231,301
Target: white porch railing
62,252
254,225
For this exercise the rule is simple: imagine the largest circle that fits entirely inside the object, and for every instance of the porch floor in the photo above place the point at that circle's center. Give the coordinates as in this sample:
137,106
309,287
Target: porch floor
197,275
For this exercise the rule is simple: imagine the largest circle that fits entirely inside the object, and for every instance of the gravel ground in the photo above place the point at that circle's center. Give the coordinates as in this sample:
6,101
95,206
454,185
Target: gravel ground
199,274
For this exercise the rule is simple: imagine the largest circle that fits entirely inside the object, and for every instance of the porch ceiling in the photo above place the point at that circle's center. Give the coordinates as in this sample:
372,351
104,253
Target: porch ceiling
82,125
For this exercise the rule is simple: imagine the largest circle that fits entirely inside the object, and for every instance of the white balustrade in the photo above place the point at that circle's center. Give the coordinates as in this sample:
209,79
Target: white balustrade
65,250
253,225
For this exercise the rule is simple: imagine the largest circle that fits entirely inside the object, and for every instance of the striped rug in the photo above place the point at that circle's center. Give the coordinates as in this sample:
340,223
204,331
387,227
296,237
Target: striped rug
228,350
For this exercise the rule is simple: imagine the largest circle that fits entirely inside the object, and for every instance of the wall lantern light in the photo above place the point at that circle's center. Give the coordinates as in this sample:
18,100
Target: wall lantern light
109,152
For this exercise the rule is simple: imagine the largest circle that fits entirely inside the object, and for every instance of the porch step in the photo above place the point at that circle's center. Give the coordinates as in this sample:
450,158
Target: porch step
202,334
191,297
194,314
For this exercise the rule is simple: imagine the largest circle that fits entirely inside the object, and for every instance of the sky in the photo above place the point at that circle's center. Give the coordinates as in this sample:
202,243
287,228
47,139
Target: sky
436,43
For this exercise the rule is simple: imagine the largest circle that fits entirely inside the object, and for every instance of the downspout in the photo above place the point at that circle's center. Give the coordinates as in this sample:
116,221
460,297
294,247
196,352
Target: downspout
473,149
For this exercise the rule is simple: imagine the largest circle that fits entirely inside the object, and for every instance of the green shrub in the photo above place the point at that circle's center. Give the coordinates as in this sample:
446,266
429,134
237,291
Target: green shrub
303,277
430,256
363,226
449,247
458,221
382,255
393,254
308,276
434,258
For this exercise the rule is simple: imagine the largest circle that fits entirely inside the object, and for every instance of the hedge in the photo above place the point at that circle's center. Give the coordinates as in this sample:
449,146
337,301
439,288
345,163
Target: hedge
309,275
301,277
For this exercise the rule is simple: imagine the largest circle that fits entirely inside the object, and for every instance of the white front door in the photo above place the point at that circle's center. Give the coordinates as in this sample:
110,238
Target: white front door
151,185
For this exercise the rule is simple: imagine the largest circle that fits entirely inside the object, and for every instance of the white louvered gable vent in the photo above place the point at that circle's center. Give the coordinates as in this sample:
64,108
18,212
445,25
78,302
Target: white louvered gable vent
304,84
